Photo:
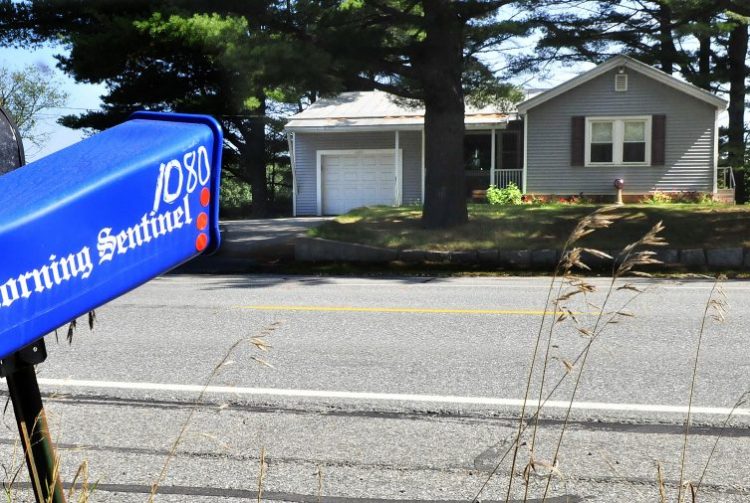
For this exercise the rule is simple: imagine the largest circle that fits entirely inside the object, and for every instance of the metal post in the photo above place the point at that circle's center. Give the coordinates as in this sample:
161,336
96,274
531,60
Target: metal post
41,460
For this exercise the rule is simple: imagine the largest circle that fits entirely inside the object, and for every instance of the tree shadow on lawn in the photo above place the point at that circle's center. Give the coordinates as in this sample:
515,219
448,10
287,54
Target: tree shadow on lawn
539,227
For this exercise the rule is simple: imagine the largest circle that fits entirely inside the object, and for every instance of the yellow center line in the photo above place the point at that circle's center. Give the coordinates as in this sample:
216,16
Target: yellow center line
417,310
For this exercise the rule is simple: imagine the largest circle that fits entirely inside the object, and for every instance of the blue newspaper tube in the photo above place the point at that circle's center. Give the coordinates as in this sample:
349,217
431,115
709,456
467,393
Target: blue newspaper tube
97,219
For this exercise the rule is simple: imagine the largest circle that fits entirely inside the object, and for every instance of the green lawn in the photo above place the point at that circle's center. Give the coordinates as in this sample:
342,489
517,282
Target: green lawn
545,226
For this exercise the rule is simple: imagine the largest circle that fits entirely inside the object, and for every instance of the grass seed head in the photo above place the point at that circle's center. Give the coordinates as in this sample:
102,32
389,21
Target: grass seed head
598,253
582,285
261,344
262,362
632,287
567,295
569,367
585,331
599,219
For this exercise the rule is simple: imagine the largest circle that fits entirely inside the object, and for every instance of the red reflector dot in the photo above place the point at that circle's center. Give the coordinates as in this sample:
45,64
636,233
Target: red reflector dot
202,221
201,242
205,196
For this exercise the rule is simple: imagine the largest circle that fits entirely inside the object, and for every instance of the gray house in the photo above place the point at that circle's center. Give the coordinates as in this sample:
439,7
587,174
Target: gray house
622,119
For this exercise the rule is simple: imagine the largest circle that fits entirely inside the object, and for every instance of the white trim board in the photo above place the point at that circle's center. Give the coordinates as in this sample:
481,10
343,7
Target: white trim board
422,167
398,170
525,141
716,153
293,161
633,64
335,128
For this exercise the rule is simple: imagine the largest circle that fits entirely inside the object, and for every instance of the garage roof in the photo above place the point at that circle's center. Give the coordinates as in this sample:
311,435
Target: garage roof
378,110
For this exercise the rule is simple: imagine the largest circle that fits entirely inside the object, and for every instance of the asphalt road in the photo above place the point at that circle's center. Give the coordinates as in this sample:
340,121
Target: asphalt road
394,389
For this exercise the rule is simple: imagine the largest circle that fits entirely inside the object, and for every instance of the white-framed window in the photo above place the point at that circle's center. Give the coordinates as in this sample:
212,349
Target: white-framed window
618,141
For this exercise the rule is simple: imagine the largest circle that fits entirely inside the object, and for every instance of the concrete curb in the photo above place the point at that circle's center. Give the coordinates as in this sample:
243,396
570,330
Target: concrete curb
324,250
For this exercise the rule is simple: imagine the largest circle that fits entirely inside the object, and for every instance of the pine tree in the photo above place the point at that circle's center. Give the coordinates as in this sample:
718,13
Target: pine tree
417,49
179,56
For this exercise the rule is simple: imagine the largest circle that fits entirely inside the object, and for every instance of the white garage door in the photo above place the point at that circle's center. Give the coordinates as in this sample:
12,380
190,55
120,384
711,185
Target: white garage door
357,179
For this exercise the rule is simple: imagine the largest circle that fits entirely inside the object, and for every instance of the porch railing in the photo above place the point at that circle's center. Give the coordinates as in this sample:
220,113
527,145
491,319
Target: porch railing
504,176
725,178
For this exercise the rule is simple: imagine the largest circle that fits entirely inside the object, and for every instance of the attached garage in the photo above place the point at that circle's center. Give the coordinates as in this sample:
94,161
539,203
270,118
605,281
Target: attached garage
344,151
352,178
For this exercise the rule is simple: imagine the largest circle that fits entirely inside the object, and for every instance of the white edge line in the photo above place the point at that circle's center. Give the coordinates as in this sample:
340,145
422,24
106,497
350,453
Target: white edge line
398,397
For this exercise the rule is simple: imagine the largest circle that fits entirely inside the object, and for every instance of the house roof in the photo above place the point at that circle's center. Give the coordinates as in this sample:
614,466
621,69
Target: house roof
633,64
369,110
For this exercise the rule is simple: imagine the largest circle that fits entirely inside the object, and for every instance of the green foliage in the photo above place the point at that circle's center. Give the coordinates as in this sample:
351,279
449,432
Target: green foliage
238,60
352,4
482,87
533,200
511,194
657,197
705,199
235,198
433,51
693,197
221,59
493,195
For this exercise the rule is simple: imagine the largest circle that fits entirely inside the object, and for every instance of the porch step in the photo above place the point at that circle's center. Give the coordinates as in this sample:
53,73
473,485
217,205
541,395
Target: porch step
725,195
478,195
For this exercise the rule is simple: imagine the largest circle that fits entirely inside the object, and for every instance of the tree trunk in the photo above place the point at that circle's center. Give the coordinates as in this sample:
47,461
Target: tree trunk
254,161
666,41
704,62
737,51
441,67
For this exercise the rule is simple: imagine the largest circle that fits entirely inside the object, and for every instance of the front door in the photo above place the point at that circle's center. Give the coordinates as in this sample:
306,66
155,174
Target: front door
477,160
508,167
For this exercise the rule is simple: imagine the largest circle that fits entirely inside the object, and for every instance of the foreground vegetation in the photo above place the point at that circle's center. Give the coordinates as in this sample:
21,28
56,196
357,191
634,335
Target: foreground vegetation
541,226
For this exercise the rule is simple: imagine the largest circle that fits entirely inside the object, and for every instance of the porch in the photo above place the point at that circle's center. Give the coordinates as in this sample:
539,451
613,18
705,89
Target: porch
493,157
725,185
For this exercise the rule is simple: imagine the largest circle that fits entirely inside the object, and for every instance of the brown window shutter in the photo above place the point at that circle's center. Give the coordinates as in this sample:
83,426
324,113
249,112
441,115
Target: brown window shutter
577,141
658,136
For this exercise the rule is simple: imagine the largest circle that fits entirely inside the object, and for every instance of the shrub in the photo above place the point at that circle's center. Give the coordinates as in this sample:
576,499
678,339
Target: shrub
532,199
492,195
693,197
657,197
704,198
684,197
511,194
235,198
579,199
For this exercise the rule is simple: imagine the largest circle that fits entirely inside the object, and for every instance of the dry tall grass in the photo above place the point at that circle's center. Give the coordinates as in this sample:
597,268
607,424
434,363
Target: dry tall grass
260,343
564,286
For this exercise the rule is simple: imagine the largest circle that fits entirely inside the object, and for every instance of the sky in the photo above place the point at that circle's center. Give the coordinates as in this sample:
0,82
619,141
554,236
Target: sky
81,97
84,97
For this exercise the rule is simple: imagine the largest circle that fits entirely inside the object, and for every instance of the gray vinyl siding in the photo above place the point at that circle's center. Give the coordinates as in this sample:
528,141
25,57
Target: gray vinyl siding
307,144
689,145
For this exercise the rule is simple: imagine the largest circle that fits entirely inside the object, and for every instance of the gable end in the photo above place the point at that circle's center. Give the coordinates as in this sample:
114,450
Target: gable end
624,62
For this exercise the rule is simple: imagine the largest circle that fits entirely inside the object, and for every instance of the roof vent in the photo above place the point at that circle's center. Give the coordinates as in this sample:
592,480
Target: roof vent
621,81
